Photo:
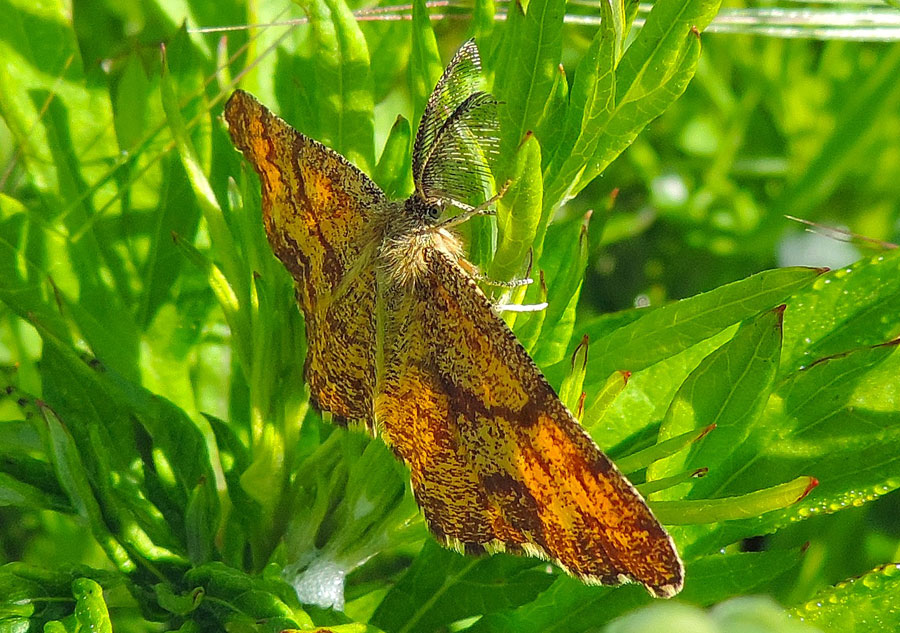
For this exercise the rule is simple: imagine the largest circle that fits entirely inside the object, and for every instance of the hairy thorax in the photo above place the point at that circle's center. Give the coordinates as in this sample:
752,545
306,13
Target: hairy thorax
410,228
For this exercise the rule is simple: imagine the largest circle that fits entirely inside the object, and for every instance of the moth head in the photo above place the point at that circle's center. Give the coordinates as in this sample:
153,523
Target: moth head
422,210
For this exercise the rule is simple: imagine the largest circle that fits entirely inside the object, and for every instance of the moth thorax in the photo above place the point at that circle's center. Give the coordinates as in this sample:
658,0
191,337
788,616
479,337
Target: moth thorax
408,235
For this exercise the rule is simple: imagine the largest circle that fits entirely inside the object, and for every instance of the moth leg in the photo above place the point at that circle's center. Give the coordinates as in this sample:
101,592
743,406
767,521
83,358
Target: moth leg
498,283
477,275
499,306
470,212
516,307
510,285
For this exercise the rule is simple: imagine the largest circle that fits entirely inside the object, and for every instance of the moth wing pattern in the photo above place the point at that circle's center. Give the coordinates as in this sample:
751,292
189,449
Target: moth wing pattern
318,212
400,336
497,461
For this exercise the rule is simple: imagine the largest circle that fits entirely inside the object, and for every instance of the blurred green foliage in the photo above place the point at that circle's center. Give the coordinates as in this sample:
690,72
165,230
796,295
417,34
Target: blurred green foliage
768,127
160,467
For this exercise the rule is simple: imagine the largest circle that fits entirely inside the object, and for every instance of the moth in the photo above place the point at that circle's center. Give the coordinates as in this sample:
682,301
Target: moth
402,339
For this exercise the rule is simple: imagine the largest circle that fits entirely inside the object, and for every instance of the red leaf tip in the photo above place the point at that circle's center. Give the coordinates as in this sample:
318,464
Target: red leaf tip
813,482
708,429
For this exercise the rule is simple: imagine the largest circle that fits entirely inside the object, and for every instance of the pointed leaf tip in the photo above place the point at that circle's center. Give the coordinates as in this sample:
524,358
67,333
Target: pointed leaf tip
525,138
813,482
582,349
580,408
706,430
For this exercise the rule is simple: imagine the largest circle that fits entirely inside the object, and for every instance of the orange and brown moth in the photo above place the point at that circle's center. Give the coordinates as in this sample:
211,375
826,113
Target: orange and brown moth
401,339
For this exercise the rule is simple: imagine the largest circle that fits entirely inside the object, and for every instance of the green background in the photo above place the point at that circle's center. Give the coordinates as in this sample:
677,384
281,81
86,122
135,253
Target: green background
160,467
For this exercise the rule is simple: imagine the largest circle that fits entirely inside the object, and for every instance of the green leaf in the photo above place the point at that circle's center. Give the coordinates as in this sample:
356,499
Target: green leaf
590,106
832,421
245,597
662,449
728,389
546,333
745,506
548,131
569,605
63,129
235,458
663,345
168,342
295,90
63,126
867,603
719,576
22,286
655,485
631,421
526,70
221,235
745,613
145,516
564,263
374,511
29,595
178,604
394,170
663,332
845,308
90,608
483,20
201,522
264,474
130,105
605,395
570,389
14,492
518,213
115,344
343,82
74,479
178,213
227,296
528,326
425,67
442,587
389,44
652,73
92,394
76,267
